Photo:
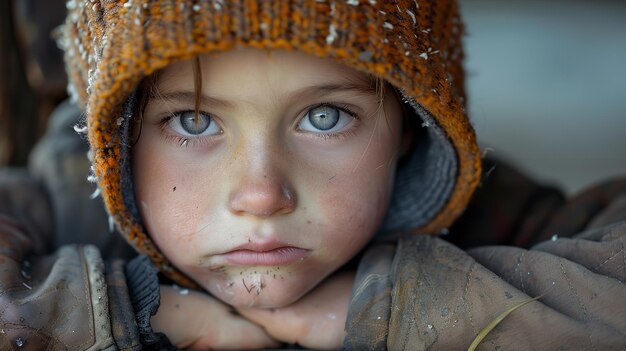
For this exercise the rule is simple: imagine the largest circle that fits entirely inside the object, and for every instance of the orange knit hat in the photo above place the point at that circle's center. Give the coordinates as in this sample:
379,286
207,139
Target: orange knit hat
415,45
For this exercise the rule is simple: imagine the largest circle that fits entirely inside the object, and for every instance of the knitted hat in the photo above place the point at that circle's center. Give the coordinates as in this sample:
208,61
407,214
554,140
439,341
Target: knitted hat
415,45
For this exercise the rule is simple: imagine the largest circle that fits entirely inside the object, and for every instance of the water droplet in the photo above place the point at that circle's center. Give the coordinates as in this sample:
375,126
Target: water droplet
430,326
184,291
554,237
19,342
445,311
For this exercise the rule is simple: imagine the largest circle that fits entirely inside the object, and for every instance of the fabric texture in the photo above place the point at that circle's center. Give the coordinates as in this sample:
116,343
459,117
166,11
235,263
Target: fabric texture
59,163
110,46
143,286
53,302
123,321
423,293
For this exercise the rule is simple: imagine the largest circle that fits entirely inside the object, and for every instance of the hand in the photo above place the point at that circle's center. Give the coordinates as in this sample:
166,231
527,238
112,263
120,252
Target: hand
315,321
200,322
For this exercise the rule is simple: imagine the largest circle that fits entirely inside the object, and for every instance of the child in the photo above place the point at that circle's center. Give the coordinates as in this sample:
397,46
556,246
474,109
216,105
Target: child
285,160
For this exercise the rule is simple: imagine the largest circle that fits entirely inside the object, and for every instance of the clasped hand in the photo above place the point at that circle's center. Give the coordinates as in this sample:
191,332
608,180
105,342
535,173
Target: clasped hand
200,322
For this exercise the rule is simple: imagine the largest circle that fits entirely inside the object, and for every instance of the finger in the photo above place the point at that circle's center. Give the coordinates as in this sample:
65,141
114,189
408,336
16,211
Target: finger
283,324
198,321
237,333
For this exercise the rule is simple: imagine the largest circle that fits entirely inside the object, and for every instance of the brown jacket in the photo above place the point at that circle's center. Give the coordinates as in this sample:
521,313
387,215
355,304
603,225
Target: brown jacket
422,293
411,293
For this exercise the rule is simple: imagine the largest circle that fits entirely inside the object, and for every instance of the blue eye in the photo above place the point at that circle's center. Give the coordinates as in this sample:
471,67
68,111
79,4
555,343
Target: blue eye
186,124
325,118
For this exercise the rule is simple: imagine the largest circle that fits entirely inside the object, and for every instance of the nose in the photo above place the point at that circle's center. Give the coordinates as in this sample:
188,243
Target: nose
262,194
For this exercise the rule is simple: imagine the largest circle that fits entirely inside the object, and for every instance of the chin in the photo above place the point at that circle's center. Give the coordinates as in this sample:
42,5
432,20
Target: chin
259,291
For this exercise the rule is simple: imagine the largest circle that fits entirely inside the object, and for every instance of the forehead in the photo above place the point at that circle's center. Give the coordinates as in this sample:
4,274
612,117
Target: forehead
288,69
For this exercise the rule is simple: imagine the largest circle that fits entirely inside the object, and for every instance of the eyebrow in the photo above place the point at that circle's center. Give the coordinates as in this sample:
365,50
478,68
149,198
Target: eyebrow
300,94
190,97
327,89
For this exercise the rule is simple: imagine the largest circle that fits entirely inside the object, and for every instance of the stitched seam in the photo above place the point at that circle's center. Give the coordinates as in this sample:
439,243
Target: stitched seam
610,258
463,297
580,304
519,272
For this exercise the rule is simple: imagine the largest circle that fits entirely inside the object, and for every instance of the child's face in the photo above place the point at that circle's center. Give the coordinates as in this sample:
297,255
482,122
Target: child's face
285,176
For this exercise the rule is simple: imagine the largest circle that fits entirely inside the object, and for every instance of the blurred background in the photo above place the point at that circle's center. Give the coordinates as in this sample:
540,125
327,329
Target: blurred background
546,83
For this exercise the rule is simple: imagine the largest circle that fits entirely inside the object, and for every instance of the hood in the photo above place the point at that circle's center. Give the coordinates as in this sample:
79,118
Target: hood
415,45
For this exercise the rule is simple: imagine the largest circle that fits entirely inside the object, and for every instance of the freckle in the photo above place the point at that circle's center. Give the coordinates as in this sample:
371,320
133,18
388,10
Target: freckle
249,240
274,276
177,306
254,272
240,273
308,222
278,268
174,189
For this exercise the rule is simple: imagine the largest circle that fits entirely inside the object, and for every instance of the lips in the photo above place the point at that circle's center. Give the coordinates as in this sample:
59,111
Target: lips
266,254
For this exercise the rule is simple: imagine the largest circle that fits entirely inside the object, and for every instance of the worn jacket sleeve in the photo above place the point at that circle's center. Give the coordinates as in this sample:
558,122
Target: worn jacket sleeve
53,294
425,293
57,301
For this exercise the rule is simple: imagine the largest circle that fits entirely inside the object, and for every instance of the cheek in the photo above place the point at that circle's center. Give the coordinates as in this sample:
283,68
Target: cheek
172,199
355,200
